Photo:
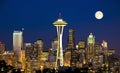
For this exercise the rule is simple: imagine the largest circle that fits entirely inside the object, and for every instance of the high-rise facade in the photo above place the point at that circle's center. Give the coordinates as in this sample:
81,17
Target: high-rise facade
96,49
71,39
67,58
70,51
28,50
90,47
40,44
2,47
17,43
53,50
105,47
35,52
59,25
55,43
82,51
105,50
31,51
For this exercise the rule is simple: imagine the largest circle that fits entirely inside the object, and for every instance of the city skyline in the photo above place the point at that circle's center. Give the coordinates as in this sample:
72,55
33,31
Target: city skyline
36,18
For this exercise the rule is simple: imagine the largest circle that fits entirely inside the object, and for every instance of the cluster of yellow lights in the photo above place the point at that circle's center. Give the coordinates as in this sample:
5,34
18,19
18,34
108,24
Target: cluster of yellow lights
67,64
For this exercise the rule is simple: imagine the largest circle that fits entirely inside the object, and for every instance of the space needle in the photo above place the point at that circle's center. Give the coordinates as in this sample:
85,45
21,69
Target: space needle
60,26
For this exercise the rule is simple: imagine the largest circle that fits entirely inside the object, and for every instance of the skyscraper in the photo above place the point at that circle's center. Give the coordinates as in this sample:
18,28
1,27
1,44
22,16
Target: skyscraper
40,44
2,47
17,43
28,50
82,51
71,39
90,47
105,50
60,25
105,47
53,51
70,52
55,43
2,50
96,49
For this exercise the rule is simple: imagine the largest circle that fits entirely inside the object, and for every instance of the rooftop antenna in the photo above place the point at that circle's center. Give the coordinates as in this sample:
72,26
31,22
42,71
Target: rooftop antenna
59,14
22,29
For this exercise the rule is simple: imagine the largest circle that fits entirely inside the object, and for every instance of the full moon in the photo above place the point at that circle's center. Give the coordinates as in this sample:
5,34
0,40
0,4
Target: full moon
99,15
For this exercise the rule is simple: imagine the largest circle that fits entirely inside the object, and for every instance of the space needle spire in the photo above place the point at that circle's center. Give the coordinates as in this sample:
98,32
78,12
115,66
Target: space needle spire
59,14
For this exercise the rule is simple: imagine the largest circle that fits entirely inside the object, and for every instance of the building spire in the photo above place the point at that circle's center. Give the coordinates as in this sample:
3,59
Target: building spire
60,15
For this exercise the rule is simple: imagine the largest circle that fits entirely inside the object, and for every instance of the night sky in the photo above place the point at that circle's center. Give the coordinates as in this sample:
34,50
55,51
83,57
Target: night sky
37,16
